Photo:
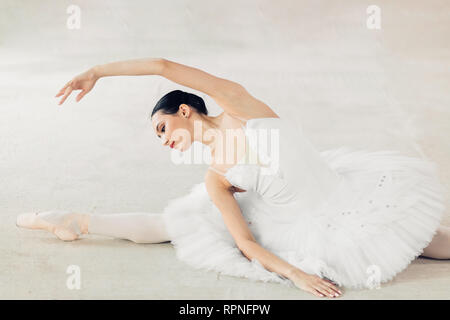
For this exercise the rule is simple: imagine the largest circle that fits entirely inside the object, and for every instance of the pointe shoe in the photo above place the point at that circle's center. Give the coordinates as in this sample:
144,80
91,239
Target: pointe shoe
62,224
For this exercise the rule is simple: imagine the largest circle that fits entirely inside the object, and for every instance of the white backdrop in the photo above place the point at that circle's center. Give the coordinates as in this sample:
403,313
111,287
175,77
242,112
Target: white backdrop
315,62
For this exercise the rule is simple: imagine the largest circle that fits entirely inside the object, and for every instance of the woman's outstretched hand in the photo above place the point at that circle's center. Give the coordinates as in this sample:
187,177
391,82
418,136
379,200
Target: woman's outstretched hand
84,82
315,285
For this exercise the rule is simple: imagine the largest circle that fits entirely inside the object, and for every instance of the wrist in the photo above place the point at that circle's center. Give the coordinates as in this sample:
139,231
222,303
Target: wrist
295,273
95,72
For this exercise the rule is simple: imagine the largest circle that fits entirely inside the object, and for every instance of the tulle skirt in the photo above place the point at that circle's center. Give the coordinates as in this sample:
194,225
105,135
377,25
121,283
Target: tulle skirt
385,211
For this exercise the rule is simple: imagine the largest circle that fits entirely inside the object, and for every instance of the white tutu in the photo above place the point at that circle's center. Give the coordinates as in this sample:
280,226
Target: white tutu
357,217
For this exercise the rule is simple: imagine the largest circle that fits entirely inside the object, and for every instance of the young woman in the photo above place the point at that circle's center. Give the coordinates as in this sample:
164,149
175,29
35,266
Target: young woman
316,220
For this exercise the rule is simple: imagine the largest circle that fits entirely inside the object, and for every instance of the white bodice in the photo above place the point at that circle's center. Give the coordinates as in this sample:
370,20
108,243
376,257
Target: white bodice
292,173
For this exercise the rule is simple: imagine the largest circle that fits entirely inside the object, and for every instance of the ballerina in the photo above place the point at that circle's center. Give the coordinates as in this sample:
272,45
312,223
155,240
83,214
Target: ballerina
296,216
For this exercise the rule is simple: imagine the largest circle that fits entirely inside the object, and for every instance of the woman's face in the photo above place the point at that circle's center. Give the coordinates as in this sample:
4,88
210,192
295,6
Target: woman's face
175,130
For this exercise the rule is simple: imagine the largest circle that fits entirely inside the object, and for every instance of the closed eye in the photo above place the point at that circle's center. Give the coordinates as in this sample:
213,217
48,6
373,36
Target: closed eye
163,129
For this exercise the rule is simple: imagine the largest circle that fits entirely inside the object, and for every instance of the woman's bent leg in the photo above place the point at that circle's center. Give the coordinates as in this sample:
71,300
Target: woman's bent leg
439,248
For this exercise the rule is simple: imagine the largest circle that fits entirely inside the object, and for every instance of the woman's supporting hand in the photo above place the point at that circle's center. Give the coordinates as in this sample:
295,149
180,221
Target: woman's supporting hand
314,284
84,82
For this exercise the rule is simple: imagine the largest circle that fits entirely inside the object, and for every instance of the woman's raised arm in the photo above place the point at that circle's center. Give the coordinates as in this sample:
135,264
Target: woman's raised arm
230,95
86,80
219,89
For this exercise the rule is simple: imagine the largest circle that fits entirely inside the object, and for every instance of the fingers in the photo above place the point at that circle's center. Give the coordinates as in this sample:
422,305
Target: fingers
322,288
316,293
323,291
333,287
312,290
80,95
327,291
67,92
63,89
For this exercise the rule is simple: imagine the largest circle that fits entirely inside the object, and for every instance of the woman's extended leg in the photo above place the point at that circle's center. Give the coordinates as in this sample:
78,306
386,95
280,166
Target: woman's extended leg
139,227
439,247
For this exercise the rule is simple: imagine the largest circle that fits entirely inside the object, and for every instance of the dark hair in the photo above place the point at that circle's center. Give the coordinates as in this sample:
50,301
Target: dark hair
170,102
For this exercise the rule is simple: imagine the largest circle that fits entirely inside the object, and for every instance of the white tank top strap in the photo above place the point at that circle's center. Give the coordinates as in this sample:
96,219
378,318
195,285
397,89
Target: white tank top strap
243,158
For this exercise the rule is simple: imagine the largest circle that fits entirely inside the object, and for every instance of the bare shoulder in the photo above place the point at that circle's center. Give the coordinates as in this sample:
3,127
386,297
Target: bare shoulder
237,120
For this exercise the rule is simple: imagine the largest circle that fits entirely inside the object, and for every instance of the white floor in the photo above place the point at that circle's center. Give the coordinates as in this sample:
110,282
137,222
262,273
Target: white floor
313,61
